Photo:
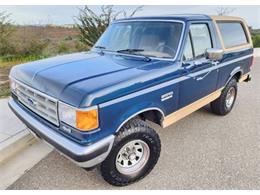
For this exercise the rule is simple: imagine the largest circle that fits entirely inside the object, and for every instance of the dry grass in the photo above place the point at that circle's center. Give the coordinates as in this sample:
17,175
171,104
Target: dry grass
53,35
4,90
4,80
5,68
6,65
59,39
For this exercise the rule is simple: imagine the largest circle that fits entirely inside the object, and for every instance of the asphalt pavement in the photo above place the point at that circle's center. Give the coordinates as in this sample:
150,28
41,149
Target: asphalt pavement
202,151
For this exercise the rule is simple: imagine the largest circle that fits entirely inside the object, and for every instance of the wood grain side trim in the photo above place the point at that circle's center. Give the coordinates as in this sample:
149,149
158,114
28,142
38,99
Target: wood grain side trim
181,113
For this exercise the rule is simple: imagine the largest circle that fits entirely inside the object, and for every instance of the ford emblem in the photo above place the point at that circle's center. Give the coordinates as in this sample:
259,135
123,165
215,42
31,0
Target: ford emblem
31,102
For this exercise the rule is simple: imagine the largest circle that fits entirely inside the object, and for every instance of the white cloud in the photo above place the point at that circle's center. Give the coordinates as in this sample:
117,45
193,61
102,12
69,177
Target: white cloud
64,14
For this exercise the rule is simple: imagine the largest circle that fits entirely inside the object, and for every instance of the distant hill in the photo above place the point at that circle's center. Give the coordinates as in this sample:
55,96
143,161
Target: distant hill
58,37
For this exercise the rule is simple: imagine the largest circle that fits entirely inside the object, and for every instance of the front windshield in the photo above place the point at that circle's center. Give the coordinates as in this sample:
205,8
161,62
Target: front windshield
147,38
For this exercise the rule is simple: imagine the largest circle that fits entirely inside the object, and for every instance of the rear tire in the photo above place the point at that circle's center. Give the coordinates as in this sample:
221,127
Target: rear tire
224,104
135,152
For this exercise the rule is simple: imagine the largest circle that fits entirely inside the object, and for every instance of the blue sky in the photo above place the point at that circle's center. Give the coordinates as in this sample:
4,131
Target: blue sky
61,14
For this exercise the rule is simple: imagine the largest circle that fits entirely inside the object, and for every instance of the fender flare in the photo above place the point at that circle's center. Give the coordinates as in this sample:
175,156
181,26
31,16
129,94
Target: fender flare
233,72
135,113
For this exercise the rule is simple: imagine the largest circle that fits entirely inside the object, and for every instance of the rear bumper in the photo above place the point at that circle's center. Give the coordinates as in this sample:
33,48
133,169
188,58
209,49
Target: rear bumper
84,156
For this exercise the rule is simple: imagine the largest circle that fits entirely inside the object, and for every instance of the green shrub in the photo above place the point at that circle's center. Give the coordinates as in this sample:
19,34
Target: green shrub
92,24
68,38
21,59
79,46
256,40
6,29
36,47
5,47
4,90
63,47
30,47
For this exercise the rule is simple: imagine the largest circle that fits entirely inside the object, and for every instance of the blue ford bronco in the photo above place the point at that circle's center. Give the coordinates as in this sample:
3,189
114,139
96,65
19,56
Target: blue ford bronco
93,107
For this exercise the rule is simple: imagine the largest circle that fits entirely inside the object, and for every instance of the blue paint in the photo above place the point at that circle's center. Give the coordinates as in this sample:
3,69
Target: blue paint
92,78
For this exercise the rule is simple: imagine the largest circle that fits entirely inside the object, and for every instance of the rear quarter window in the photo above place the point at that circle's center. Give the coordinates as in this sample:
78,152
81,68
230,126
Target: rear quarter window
233,34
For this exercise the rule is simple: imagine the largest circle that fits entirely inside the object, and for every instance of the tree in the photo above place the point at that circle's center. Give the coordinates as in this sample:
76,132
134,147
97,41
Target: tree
223,11
256,41
6,29
91,25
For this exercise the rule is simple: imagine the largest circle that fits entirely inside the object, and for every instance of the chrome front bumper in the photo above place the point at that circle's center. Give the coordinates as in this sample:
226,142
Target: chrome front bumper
84,156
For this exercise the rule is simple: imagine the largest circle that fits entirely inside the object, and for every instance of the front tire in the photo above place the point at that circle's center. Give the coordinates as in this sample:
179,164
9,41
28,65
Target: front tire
224,104
134,154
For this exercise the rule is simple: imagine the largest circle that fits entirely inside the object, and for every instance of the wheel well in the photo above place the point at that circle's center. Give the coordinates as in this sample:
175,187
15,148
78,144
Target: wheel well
152,115
155,116
237,75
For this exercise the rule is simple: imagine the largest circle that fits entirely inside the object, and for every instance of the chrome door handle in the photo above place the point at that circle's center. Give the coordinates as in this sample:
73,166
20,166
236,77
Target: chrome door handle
202,77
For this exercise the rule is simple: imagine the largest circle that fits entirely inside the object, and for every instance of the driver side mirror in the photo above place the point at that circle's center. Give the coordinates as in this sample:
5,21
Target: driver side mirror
214,54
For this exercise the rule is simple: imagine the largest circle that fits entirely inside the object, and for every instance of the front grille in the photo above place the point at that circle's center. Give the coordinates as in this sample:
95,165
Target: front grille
41,104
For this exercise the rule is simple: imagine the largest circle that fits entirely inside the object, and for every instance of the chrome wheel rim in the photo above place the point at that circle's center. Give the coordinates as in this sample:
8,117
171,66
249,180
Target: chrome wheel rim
230,97
132,157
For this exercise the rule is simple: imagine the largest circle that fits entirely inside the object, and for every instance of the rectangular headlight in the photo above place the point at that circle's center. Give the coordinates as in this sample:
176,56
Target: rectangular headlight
82,119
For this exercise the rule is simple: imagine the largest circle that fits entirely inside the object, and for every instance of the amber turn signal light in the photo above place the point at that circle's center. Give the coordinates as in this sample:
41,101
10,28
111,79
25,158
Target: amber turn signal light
87,120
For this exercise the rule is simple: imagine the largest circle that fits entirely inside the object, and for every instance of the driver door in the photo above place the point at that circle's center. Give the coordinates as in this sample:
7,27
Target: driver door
201,79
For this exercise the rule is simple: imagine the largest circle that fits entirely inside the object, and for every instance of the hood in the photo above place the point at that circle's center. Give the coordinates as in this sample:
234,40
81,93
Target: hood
76,77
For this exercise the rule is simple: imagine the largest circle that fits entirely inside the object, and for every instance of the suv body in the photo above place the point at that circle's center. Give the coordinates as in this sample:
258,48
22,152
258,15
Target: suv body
147,68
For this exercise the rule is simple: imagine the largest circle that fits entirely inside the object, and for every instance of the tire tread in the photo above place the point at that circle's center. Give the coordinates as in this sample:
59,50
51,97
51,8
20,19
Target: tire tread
218,105
133,127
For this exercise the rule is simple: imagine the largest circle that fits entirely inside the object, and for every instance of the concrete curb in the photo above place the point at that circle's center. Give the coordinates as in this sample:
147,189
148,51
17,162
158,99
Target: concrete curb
15,144
23,161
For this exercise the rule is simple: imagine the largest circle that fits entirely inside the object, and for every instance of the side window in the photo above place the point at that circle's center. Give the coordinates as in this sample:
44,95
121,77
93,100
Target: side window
201,39
198,41
188,53
232,33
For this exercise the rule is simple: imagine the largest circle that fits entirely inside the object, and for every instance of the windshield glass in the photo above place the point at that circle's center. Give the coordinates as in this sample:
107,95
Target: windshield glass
148,38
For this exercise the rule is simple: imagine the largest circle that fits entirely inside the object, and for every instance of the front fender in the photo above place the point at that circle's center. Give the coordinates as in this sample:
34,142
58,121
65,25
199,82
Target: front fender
136,110
117,114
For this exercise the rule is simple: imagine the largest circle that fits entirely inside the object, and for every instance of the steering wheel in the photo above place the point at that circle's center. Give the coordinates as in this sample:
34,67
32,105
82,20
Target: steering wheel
167,47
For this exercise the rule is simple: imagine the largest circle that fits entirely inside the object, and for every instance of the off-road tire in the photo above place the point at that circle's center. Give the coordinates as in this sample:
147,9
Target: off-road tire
218,106
135,129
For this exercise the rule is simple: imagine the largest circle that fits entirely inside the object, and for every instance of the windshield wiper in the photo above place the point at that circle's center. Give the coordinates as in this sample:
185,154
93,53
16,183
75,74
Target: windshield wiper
129,50
100,47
